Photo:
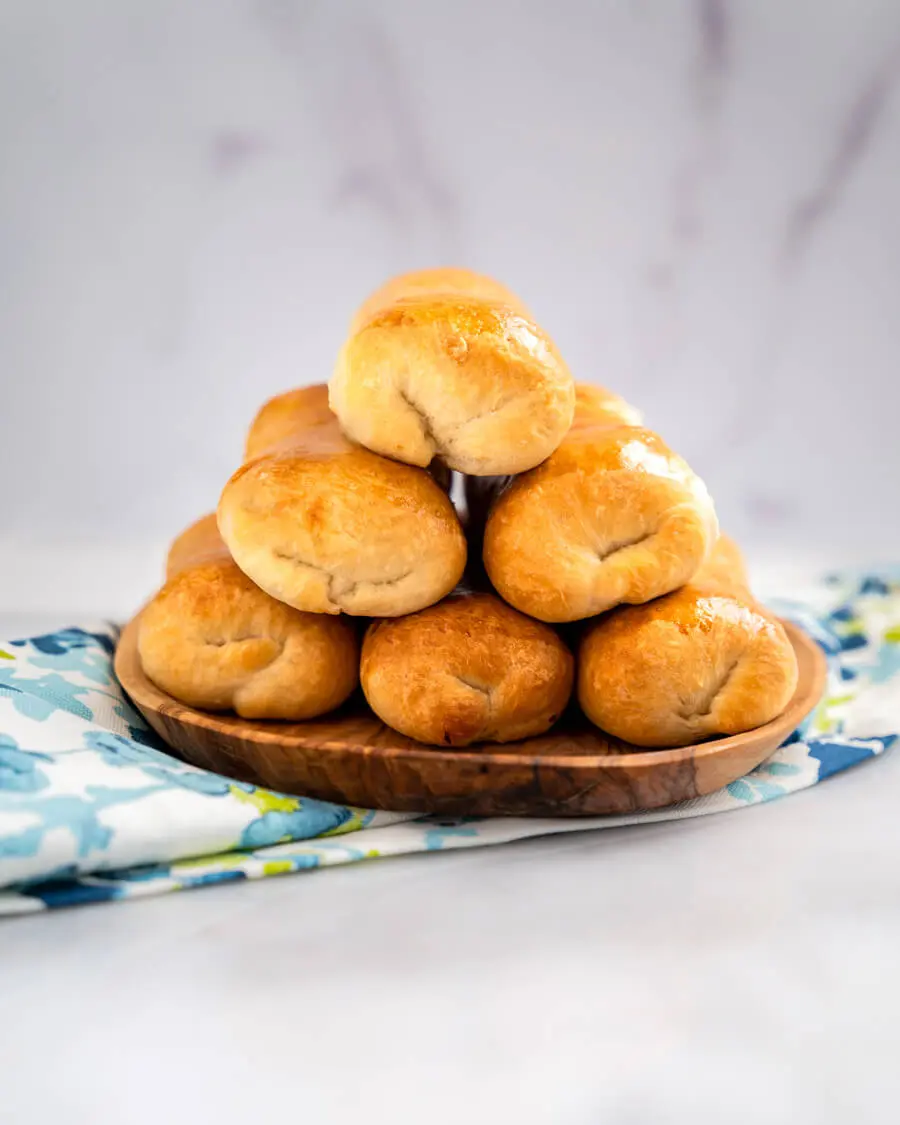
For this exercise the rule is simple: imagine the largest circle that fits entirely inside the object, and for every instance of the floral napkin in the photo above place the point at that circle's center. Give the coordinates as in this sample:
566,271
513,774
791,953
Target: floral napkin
93,808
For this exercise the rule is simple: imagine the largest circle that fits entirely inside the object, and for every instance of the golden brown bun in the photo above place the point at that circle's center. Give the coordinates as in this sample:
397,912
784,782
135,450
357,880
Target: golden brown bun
706,660
447,280
596,406
197,545
214,640
452,373
468,670
612,516
326,526
300,417
725,567
279,421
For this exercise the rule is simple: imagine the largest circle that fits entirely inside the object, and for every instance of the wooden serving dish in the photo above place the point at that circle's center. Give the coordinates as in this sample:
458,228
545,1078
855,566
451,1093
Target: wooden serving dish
350,757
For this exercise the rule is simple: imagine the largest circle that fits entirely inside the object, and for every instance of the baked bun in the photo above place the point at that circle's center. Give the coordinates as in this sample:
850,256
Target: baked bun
454,373
596,406
703,661
447,281
468,670
326,526
612,516
214,640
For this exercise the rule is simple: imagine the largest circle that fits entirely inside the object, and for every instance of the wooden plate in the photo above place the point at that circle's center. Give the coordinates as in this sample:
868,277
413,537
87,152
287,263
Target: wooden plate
352,758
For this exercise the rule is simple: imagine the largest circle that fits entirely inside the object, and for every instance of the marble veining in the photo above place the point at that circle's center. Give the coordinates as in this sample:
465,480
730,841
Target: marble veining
853,138
385,154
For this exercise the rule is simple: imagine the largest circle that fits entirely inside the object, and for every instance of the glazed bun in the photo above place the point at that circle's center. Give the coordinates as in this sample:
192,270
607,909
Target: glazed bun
213,640
447,364
468,670
612,516
447,281
703,661
326,526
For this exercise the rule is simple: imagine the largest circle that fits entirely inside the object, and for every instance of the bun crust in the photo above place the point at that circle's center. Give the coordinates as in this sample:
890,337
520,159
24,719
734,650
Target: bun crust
705,660
213,640
447,281
468,670
326,526
612,516
457,374
596,406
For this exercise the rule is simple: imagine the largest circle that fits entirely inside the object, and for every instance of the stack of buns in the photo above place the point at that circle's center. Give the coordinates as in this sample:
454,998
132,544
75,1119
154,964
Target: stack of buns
336,557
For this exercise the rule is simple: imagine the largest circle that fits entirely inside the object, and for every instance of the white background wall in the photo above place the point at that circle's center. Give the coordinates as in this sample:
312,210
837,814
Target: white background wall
701,201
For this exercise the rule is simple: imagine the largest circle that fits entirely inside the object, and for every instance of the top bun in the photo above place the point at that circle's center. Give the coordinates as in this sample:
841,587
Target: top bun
449,364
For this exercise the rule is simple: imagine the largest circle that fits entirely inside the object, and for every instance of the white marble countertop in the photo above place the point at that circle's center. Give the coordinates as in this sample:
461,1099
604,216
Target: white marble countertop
737,968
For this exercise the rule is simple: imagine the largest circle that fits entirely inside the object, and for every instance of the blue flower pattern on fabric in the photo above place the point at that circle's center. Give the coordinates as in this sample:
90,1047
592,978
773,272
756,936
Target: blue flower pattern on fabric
38,697
78,815
19,770
116,750
887,664
873,584
837,754
56,644
313,818
73,651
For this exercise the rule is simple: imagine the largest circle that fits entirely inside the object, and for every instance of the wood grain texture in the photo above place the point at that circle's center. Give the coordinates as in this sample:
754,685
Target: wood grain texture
350,757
